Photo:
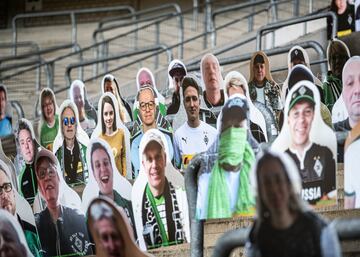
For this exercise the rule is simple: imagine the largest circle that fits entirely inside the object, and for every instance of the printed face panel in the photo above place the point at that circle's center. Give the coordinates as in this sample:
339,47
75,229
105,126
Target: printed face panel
310,143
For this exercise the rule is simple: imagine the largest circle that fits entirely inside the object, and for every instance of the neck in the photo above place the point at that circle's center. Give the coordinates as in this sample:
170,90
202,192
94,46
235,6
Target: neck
156,192
283,219
147,127
300,148
341,11
69,142
353,123
110,195
194,123
109,131
213,96
260,84
54,212
51,121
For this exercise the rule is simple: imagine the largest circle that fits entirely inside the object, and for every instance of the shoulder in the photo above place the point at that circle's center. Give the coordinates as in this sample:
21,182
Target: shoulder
319,149
74,214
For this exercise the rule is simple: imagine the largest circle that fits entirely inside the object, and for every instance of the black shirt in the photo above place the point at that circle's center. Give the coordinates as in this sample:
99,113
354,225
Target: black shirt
73,165
220,103
28,183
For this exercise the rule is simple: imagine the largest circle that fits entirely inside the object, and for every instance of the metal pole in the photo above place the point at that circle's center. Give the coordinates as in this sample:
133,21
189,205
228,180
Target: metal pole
207,21
157,42
195,13
296,8
73,30
251,19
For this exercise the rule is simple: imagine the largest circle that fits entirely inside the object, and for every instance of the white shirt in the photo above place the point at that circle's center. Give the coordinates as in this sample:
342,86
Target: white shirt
189,141
351,171
260,97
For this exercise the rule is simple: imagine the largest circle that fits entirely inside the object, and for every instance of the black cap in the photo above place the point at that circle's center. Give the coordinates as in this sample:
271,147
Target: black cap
177,67
302,93
259,59
297,54
298,73
235,107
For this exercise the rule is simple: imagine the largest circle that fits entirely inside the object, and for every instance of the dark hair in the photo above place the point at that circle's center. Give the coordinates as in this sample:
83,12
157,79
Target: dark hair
96,146
23,125
189,82
107,99
3,89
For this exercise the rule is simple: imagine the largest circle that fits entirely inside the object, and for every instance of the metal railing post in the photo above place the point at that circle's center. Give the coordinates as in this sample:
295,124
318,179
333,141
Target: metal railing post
195,13
296,8
157,42
49,67
73,30
207,21
251,19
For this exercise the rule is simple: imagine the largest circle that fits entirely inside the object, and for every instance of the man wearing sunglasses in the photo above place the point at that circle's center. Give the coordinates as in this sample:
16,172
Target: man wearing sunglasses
8,203
150,117
177,71
62,229
70,147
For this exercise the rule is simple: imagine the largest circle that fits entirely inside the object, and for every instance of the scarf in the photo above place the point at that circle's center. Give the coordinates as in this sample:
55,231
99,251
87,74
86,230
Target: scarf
154,231
233,149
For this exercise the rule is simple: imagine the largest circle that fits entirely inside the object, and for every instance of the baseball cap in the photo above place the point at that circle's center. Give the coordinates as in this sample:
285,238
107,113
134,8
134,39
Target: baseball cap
177,67
152,136
235,106
302,93
45,153
298,73
297,54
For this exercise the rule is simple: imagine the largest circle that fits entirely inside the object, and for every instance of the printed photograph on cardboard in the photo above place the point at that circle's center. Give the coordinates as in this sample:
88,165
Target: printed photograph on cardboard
224,188
310,143
111,231
159,197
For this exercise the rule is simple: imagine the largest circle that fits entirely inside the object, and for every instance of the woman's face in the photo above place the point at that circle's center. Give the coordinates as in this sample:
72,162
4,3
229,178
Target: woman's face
341,4
103,172
274,188
108,115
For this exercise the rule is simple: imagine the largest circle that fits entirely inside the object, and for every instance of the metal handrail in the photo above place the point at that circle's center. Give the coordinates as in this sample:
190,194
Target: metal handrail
31,44
346,229
18,108
161,47
289,22
71,13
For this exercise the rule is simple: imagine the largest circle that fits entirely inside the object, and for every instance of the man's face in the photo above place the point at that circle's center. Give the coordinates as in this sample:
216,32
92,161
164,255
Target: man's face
192,103
145,79
110,237
211,73
10,245
2,103
177,79
7,199
297,61
259,72
147,107
109,87
78,98
103,172
351,91
48,182
154,161
68,123
48,108
300,120
26,145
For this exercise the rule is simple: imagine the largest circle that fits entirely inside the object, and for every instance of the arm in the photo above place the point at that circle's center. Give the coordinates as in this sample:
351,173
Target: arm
329,243
123,155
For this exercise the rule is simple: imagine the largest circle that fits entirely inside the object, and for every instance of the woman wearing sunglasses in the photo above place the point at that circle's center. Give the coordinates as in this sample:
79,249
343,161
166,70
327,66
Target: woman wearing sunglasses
70,145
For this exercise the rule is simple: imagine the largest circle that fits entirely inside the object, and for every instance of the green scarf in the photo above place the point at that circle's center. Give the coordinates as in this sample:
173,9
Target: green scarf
233,149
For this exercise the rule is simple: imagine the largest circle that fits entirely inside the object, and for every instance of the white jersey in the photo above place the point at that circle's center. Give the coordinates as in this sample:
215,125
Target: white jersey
189,141
351,171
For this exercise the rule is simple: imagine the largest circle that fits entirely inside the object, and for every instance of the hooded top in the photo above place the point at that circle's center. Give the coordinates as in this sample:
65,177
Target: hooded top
267,67
285,89
88,108
172,175
119,125
124,107
171,64
255,116
43,127
152,84
6,217
101,208
120,184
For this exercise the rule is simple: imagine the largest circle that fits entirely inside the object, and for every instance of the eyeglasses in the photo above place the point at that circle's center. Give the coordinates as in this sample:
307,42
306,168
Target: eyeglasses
68,120
7,187
50,171
150,105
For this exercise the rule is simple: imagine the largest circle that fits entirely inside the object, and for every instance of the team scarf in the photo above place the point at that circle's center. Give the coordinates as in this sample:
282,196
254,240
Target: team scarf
233,150
154,230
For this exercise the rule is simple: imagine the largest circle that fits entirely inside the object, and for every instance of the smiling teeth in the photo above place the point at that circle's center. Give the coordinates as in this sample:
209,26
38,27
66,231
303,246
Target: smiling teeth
105,179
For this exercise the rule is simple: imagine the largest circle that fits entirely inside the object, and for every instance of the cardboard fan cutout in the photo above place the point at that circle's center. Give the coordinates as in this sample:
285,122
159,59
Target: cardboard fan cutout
105,180
104,220
310,143
158,196
114,132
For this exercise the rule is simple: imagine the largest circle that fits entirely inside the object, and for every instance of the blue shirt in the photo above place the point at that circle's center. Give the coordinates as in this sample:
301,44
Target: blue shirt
5,127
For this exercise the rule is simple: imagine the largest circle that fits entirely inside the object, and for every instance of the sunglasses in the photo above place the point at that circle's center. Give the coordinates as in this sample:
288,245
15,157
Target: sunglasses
41,173
5,187
69,120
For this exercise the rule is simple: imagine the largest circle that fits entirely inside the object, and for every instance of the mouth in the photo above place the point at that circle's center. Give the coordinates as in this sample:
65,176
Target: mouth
105,179
49,187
